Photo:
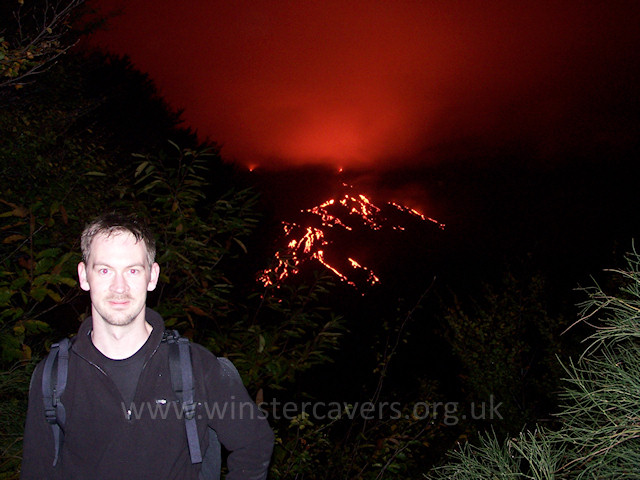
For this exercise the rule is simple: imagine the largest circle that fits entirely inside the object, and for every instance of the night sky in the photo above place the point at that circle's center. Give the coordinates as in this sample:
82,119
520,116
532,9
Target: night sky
494,117
385,84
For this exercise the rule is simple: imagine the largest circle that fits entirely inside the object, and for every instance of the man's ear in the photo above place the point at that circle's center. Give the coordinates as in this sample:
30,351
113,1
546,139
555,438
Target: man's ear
82,276
153,279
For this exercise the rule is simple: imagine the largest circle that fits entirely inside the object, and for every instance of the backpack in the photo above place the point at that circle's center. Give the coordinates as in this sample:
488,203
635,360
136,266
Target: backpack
54,382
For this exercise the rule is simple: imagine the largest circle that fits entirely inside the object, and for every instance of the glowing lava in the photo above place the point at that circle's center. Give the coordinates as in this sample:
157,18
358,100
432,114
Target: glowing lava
308,243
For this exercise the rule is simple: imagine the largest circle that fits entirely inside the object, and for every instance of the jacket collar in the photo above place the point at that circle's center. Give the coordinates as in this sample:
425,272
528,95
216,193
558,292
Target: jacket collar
84,347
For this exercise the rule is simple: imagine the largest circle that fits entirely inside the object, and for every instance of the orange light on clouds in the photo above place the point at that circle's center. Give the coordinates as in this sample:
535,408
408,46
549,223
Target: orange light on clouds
357,83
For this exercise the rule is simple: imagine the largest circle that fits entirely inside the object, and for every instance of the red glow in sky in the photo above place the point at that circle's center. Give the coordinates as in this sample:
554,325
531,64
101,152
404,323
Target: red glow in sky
358,83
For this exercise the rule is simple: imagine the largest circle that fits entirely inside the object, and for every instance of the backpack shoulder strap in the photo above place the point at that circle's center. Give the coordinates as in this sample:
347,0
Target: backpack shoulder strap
181,371
54,382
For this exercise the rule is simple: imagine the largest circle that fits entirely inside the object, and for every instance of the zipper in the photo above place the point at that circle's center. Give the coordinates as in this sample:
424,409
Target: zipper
144,365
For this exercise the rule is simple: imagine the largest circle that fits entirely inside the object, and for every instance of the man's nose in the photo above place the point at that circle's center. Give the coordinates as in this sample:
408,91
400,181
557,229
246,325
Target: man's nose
119,284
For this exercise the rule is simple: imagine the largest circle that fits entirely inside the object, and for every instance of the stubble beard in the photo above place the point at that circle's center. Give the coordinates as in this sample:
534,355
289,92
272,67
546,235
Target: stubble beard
119,318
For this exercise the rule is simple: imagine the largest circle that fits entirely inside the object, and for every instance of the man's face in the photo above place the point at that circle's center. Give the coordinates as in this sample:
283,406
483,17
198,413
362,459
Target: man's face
117,276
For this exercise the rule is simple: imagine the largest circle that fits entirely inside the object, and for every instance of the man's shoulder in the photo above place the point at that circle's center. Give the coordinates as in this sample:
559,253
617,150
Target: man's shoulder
207,364
201,350
200,355
36,376
198,352
205,358
53,351
39,370
213,365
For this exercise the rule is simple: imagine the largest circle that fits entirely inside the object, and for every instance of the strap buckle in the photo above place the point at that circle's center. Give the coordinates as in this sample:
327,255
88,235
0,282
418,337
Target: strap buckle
189,410
50,415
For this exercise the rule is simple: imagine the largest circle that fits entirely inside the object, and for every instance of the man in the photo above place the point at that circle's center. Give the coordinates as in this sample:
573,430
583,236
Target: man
119,424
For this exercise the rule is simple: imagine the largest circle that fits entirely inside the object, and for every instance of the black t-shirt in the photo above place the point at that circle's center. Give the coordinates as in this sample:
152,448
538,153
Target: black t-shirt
125,373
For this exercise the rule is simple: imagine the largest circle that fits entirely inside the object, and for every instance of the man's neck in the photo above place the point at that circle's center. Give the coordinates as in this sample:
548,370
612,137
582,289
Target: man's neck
120,342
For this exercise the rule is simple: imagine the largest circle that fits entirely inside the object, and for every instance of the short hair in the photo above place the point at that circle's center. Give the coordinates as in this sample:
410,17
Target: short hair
114,223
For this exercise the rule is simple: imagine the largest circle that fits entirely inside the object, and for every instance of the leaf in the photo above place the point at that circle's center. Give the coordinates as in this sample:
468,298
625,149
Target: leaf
36,326
5,296
26,352
44,265
197,310
17,283
65,217
54,296
70,282
11,348
182,257
39,293
49,252
95,174
13,238
150,185
18,211
140,168
242,245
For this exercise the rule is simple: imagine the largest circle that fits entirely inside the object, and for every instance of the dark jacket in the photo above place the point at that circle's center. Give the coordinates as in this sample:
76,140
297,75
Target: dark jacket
104,441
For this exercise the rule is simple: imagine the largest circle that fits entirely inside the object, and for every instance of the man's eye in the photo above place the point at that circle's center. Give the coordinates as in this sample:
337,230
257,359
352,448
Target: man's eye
103,271
134,271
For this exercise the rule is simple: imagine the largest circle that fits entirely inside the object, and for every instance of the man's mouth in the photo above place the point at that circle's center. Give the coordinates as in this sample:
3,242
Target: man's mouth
119,302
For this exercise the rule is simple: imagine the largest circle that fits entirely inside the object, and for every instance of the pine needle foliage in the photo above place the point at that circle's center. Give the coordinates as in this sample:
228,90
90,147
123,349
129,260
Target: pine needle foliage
599,431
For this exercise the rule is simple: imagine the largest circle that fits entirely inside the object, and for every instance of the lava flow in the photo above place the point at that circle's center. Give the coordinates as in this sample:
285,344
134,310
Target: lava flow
342,219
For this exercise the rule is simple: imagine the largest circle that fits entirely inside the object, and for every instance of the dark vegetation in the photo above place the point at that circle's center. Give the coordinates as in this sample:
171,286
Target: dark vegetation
85,132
